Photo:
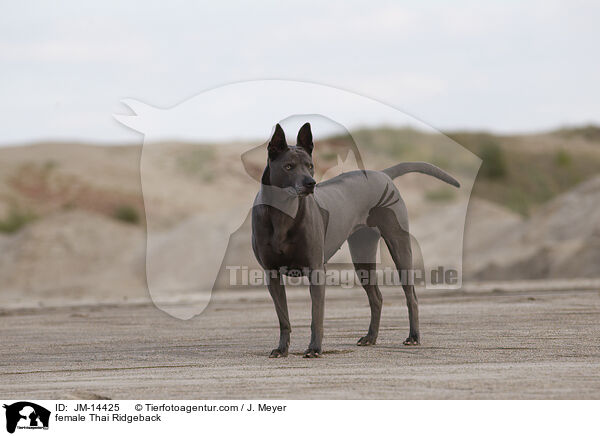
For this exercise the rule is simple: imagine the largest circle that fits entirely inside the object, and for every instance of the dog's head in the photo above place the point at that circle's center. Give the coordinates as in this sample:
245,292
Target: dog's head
291,166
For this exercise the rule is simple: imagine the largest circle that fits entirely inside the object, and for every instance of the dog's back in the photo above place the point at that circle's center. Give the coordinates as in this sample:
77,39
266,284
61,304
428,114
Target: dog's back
348,200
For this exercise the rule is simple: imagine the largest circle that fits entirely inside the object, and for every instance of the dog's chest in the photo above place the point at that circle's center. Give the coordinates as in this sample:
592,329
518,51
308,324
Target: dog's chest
286,249
279,246
280,241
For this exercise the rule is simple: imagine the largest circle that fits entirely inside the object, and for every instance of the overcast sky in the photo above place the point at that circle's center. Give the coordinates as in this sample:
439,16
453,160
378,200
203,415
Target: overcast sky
505,66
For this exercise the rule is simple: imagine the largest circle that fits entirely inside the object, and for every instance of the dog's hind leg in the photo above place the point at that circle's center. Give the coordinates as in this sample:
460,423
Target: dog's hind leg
277,291
363,247
393,225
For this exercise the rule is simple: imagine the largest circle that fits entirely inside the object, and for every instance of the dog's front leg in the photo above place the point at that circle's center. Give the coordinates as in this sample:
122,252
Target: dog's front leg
317,295
277,291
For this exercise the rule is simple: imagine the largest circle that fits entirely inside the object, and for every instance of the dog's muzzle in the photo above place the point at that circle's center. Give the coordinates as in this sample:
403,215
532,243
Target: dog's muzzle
307,187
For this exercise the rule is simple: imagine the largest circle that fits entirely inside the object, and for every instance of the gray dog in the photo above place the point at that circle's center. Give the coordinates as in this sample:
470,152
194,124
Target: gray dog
298,225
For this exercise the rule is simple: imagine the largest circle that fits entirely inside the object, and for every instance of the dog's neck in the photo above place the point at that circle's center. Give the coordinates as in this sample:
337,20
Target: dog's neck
266,177
284,199
293,210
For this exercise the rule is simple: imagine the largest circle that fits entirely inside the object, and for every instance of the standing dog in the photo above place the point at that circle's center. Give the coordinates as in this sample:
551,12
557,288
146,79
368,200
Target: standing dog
298,225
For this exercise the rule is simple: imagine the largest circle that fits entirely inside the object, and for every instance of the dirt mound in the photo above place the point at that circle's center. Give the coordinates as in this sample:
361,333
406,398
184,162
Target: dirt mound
73,254
560,240
68,249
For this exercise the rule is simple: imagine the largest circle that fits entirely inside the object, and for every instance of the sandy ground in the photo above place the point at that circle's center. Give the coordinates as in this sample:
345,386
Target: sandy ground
477,344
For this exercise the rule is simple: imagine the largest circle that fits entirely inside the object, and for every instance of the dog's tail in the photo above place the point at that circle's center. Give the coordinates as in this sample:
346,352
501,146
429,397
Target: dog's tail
420,167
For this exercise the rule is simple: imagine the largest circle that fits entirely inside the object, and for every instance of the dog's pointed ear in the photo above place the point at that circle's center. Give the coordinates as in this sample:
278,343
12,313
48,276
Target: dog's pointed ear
277,143
305,139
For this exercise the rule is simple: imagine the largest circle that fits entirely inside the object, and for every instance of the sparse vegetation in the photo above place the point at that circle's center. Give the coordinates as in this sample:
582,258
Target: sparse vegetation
197,163
440,195
15,219
328,155
50,164
127,214
589,132
562,158
512,174
519,172
494,162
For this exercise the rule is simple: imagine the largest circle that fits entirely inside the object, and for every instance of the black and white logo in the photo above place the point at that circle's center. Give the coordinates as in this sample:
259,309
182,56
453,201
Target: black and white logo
26,415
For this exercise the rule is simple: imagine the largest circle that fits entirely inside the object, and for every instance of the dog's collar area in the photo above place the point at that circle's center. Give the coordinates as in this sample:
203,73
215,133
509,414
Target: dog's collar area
284,199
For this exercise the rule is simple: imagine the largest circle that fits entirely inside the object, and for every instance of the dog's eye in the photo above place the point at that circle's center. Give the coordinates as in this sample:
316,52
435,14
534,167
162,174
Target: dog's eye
310,166
288,167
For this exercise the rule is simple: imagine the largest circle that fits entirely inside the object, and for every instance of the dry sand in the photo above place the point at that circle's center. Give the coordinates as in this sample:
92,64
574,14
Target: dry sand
478,344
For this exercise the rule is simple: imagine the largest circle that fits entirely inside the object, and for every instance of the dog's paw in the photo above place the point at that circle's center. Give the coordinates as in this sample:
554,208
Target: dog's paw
309,354
276,353
411,340
366,340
